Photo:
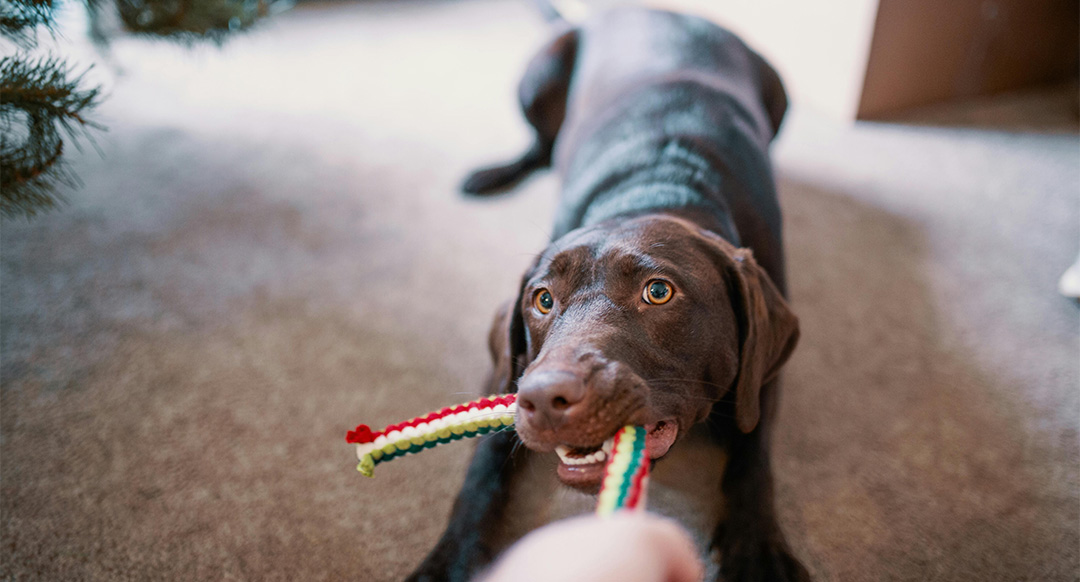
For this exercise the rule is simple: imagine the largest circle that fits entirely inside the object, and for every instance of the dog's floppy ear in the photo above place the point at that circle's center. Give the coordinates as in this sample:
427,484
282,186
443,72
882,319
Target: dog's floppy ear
507,344
772,92
768,332
499,346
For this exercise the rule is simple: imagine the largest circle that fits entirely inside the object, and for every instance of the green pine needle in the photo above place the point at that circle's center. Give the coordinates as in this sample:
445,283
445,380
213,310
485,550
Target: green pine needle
41,103
20,18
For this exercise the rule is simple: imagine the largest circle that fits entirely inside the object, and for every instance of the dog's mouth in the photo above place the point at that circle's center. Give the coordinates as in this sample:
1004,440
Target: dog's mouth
583,467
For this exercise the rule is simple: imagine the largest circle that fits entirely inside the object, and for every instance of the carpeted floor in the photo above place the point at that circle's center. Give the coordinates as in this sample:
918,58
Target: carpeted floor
271,249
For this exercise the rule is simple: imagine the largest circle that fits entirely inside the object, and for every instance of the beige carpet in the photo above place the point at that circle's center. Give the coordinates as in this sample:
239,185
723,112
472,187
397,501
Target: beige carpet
271,250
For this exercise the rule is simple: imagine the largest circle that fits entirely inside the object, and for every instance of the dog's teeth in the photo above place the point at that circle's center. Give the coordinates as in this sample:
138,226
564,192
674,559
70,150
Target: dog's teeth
608,446
569,457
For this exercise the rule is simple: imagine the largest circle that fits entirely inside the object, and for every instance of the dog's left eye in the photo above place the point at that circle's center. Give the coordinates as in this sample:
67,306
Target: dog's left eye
543,301
657,292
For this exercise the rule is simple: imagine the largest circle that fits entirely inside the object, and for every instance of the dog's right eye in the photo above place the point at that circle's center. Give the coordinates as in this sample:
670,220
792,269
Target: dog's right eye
657,292
543,301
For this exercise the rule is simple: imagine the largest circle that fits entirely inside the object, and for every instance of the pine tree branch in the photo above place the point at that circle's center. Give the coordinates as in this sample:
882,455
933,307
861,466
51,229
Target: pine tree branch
20,18
41,103
192,20
44,88
30,184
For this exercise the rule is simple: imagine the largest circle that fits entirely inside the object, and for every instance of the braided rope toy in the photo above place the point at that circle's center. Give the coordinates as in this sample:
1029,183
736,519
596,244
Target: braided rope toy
626,473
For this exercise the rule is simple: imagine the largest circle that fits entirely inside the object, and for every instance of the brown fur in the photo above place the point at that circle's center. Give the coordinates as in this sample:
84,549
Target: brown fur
663,154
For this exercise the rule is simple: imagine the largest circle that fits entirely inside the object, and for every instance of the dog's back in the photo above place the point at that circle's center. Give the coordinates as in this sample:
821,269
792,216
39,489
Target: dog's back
670,110
630,49
644,110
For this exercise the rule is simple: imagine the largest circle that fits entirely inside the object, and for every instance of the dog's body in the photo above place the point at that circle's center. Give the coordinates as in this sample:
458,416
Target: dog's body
645,309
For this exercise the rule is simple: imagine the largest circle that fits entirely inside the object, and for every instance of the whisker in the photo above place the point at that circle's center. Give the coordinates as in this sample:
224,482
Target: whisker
659,383
517,444
716,411
688,381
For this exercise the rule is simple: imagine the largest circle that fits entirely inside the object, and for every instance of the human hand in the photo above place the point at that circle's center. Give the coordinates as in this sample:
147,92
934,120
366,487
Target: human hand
625,547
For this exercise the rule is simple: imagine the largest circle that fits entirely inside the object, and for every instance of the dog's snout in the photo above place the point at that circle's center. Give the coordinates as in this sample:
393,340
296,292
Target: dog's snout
548,397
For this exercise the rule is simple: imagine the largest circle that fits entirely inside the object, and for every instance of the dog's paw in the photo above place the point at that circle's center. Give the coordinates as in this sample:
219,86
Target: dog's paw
449,563
496,179
426,577
760,561
493,180
429,572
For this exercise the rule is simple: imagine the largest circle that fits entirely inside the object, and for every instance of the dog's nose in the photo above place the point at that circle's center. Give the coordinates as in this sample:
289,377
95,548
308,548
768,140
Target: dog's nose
548,397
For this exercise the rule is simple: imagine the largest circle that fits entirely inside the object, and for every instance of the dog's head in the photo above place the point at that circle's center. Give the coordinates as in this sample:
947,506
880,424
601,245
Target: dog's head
647,321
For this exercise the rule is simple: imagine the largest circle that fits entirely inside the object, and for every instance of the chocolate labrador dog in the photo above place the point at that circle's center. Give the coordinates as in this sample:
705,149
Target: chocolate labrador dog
660,302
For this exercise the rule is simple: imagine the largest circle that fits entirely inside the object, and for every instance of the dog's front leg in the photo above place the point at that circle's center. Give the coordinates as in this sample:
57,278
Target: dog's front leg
465,546
751,543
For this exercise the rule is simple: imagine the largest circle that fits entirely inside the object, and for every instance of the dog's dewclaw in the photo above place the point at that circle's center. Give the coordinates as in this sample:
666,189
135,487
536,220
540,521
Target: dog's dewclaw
626,474
453,423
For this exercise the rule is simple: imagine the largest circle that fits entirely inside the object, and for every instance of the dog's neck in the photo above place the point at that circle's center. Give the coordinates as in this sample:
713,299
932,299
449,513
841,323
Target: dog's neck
666,198
678,180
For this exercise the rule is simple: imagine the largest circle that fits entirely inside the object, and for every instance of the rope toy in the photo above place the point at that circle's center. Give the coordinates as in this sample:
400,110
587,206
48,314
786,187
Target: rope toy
626,473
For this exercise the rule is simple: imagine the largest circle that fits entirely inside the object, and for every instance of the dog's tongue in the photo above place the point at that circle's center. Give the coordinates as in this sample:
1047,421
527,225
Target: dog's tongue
660,437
